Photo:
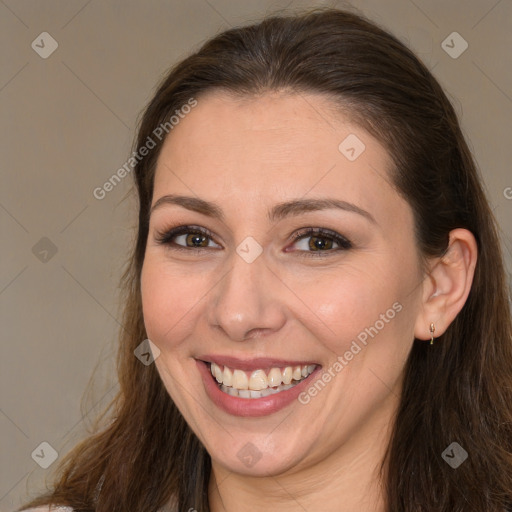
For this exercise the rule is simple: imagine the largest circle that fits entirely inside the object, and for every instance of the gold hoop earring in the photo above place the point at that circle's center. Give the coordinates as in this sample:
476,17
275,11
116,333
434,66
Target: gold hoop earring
432,330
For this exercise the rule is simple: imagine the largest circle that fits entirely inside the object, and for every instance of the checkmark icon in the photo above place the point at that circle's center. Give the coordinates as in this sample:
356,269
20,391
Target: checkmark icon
351,147
146,352
44,250
454,45
454,455
249,455
44,455
249,249
44,45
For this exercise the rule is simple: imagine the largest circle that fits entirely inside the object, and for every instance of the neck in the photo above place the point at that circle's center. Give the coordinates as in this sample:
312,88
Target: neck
348,479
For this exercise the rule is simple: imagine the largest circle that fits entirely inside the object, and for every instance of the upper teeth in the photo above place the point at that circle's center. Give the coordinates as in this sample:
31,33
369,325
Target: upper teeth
258,379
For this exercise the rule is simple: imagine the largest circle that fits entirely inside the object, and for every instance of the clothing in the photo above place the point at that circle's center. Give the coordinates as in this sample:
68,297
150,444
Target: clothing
48,509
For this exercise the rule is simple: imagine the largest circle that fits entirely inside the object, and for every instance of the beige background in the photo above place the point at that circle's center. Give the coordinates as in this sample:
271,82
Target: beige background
67,125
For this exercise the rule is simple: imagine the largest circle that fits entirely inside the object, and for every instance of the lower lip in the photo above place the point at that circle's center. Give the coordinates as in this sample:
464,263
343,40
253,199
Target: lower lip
250,407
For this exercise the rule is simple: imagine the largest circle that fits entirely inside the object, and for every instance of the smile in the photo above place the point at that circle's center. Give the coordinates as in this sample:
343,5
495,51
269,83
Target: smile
259,383
257,387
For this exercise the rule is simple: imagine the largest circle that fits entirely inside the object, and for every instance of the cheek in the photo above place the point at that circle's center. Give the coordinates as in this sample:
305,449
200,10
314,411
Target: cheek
170,302
345,301
359,305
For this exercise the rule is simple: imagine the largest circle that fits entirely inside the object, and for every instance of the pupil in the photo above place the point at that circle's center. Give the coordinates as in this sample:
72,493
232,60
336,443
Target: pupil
319,243
197,240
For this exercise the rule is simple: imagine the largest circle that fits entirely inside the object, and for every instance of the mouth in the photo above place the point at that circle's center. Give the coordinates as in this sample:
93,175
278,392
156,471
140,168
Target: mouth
256,388
259,383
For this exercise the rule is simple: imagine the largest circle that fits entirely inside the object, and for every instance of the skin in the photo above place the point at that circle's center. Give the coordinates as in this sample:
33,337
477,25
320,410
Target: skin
248,154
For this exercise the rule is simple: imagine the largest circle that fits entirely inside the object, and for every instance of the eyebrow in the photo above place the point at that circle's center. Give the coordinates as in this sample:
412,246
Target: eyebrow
278,212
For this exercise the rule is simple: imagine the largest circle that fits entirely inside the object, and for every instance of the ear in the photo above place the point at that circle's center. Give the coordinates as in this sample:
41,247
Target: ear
447,285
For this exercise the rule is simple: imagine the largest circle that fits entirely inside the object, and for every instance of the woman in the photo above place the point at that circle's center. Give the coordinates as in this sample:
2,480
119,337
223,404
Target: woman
318,271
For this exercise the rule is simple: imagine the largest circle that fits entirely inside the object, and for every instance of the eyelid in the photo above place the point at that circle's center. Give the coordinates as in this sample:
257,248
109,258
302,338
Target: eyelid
165,236
303,232
344,243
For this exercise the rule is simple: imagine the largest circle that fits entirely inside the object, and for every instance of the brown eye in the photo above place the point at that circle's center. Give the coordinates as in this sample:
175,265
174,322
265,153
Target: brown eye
186,238
320,241
195,240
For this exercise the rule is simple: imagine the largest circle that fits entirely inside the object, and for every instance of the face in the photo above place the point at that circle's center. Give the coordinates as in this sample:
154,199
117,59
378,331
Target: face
291,272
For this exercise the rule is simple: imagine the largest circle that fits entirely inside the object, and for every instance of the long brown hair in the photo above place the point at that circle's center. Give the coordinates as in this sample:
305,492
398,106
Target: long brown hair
458,391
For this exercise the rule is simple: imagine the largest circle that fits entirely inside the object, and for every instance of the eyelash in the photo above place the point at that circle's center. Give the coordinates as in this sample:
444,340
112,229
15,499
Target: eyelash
166,237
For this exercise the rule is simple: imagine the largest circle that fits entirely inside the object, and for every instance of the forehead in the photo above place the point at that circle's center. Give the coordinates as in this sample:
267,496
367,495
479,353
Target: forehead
283,145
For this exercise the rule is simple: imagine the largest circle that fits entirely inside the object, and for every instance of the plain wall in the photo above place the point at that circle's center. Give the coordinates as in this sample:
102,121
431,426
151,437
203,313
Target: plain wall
68,122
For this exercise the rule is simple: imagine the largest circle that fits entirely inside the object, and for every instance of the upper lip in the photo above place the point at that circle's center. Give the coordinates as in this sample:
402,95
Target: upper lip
255,363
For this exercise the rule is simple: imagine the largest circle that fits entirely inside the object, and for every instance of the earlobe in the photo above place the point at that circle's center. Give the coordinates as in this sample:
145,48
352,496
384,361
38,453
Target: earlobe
447,285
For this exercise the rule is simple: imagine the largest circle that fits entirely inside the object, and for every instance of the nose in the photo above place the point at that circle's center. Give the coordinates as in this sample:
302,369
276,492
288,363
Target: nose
247,301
